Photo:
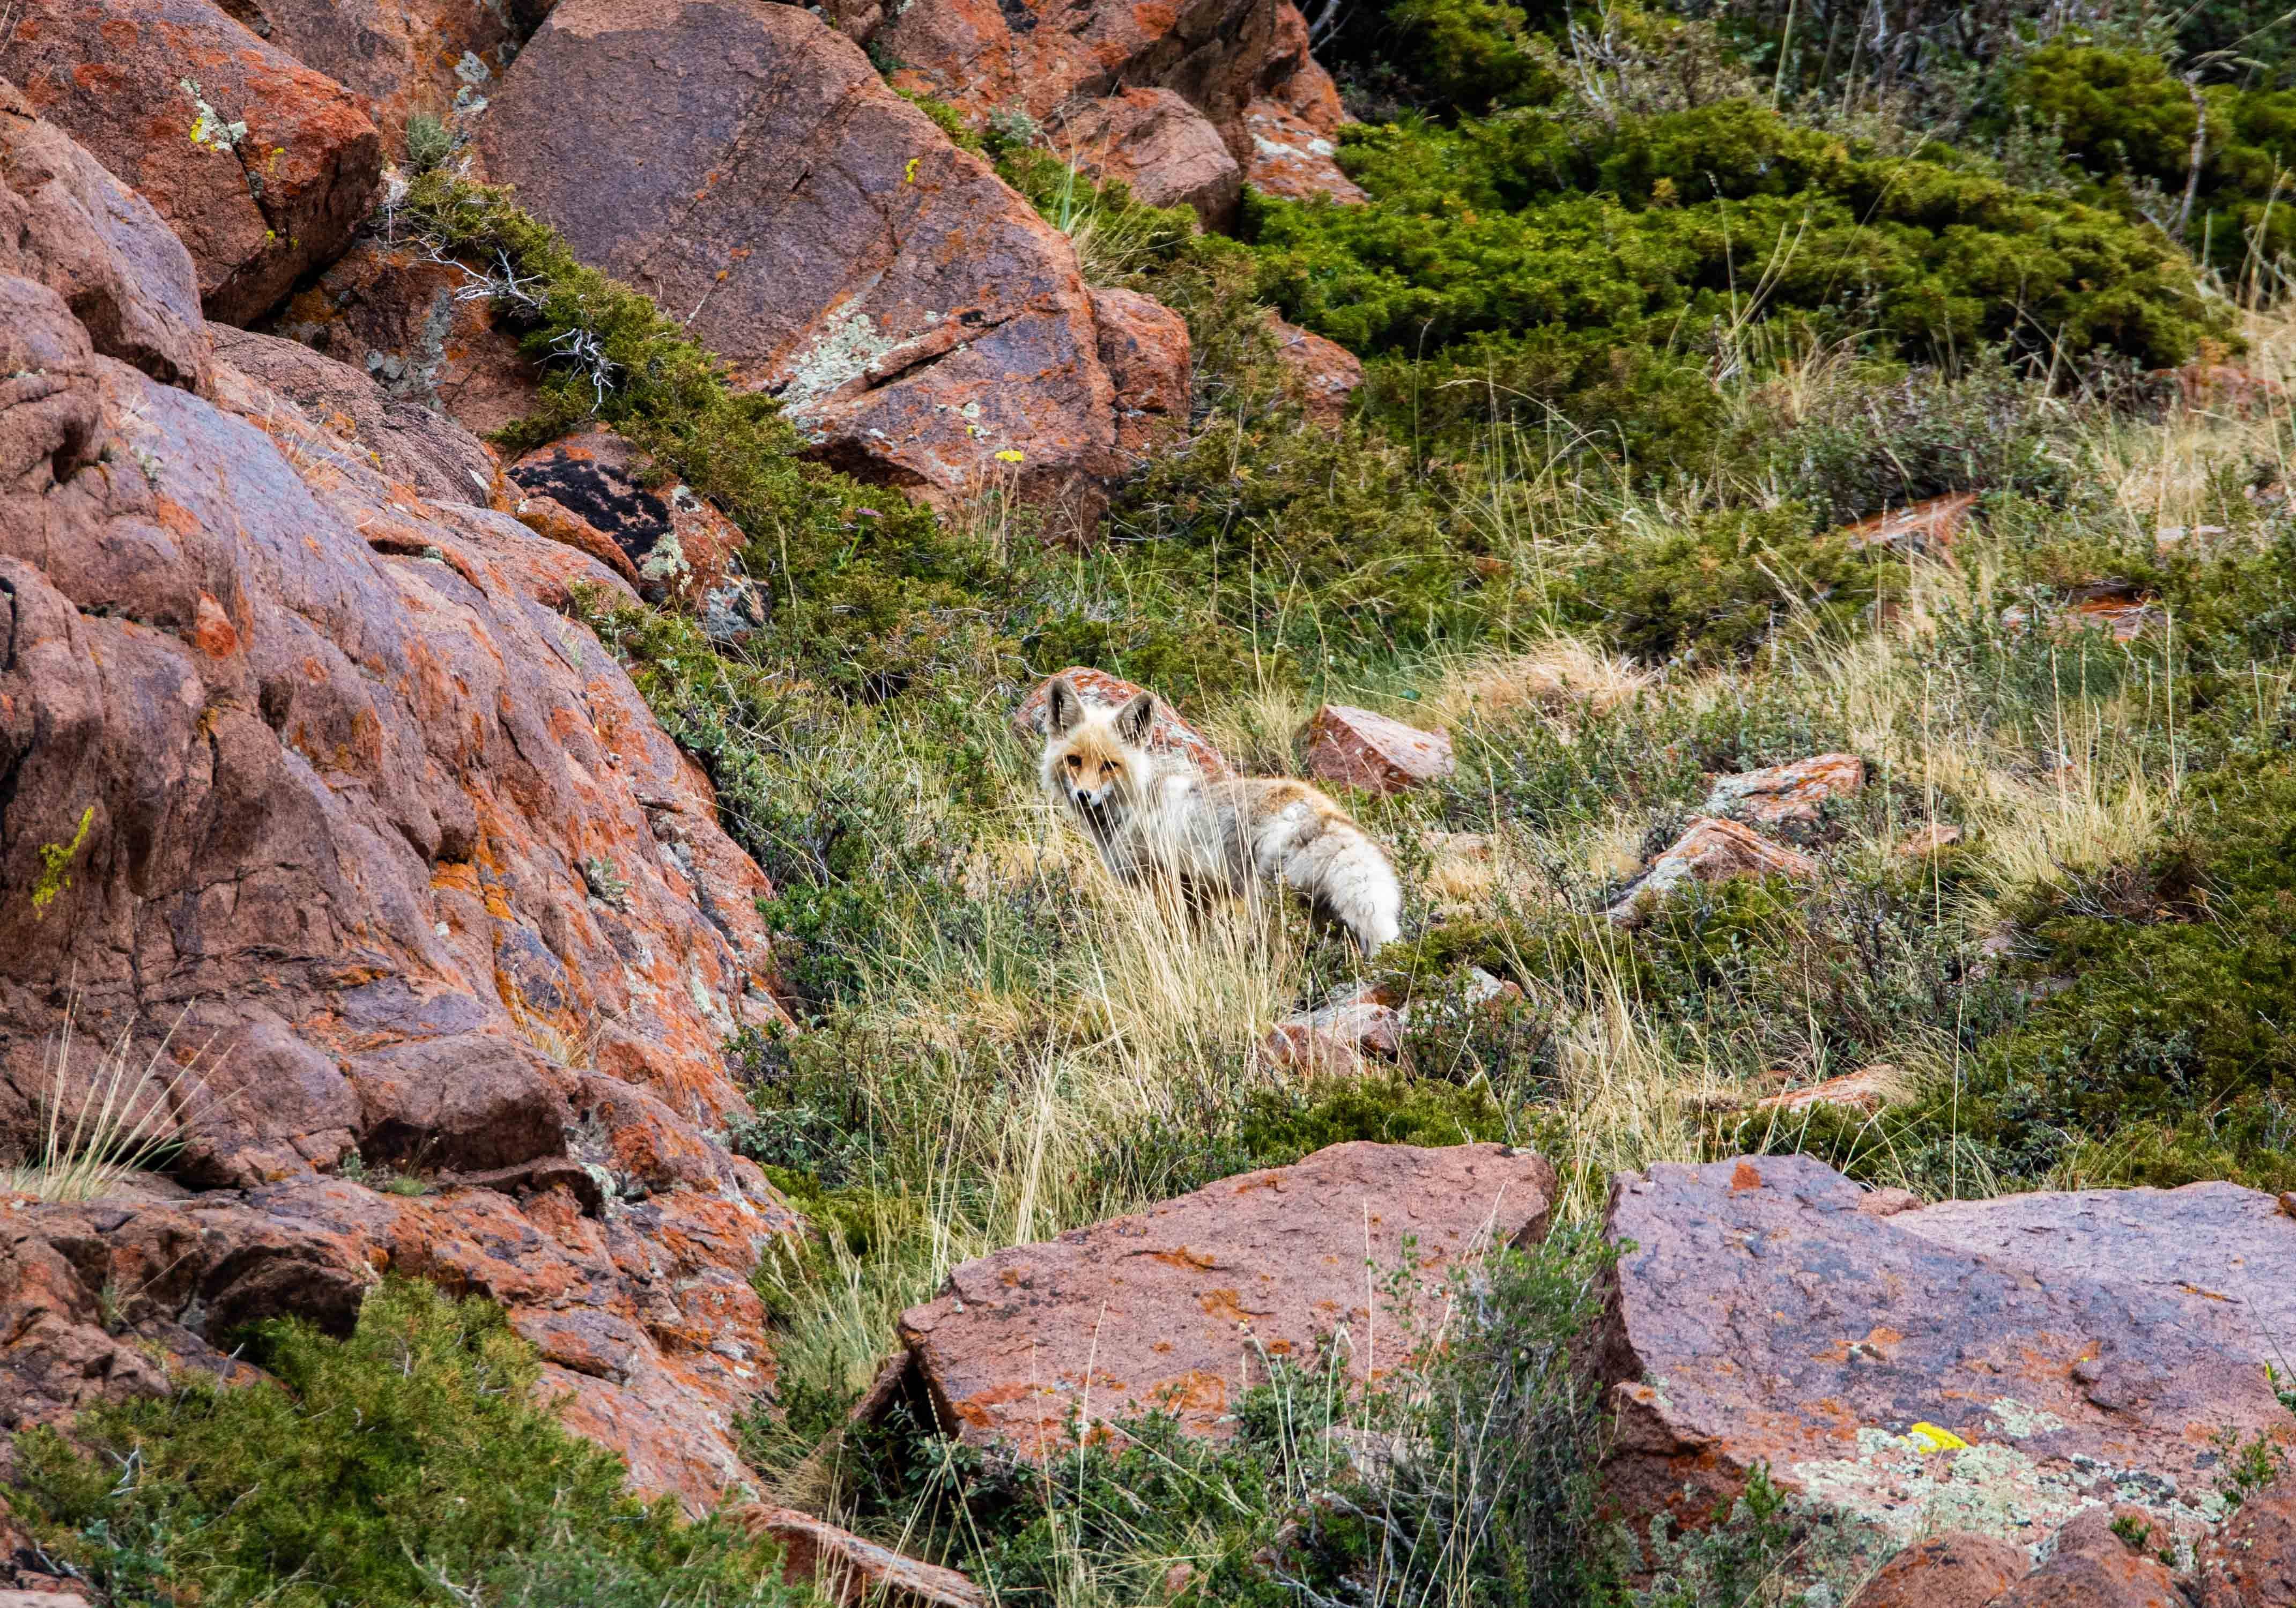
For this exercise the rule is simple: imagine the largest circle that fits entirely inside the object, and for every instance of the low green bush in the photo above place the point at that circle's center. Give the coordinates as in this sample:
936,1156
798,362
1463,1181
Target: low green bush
409,1464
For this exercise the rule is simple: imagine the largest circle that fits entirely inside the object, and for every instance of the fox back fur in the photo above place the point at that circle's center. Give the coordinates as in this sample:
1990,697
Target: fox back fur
1153,815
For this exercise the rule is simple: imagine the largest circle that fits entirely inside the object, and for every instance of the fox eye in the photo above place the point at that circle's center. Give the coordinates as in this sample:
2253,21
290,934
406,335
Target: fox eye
1075,763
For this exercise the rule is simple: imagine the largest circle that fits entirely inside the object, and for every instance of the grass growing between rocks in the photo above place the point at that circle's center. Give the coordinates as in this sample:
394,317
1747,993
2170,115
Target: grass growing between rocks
407,1463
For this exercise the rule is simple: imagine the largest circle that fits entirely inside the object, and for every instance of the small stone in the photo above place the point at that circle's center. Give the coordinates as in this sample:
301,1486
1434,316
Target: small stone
1926,841
1784,796
1327,372
1709,851
1358,749
1930,526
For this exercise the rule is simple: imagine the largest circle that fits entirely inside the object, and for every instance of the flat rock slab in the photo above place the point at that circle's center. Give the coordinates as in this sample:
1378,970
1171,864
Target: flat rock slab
848,1570
1167,734
1179,1307
1767,1314
1359,749
2214,1249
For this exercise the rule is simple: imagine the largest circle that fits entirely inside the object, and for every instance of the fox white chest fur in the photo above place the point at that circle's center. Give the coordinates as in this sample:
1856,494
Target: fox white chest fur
1152,815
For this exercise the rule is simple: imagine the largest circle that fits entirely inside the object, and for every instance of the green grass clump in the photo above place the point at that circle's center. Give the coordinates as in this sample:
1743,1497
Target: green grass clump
409,1464
2160,1032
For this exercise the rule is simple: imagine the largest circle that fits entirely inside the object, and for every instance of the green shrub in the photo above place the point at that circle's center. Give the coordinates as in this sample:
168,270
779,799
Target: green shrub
1671,231
409,1464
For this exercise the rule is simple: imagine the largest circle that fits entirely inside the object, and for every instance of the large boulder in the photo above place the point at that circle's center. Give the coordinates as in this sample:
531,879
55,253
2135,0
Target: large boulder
366,857
401,57
1180,1307
1772,1313
1161,146
261,165
1356,748
744,165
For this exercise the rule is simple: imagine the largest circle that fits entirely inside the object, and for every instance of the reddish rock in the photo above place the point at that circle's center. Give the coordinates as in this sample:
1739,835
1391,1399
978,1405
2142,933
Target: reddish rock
547,516
2251,1562
1711,850
1360,749
1165,149
404,319
1766,1316
2111,609
2225,388
74,228
685,551
1933,839
1335,1038
1930,526
746,166
2094,1568
435,458
1788,797
387,855
1144,347
1176,1307
848,1570
1959,1570
1290,156
262,165
1052,59
1167,734
439,57
2215,1249
1322,373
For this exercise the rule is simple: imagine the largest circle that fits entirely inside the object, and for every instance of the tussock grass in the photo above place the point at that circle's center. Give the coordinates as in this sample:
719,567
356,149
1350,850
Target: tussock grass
106,1114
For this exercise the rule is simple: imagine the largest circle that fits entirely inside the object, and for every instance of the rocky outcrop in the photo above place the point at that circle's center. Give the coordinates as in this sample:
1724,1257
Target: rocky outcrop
420,328
745,166
68,226
1161,146
1356,748
1239,69
2145,1240
1167,733
1772,1312
432,456
1789,800
377,859
401,57
1144,347
2251,1562
1182,1306
684,550
262,165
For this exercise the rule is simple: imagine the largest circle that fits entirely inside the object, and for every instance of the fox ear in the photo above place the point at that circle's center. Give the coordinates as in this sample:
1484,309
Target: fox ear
1062,708
1133,719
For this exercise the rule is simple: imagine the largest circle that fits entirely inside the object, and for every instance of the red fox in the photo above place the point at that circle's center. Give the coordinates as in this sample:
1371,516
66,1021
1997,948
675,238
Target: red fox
1153,815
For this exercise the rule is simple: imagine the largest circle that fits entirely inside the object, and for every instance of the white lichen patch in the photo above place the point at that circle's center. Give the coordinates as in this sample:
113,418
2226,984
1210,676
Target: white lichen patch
848,344
1996,1489
667,561
2021,1421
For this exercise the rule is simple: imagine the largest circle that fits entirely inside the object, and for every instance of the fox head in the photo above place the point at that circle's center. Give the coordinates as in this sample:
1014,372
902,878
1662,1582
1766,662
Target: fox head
1095,761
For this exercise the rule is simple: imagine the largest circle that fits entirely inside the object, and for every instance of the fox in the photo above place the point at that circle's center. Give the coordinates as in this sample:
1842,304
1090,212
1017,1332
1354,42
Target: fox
1158,815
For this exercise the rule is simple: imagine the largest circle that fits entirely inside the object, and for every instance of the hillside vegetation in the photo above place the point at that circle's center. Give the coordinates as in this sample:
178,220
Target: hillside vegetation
1653,304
